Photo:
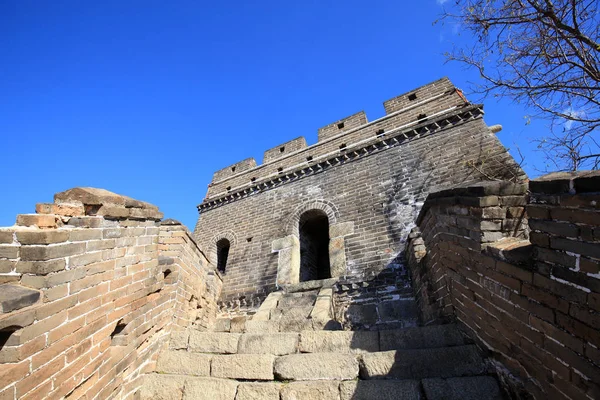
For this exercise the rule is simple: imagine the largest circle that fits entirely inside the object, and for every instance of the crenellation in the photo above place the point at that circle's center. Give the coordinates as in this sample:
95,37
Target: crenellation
233,170
284,149
433,106
342,125
418,95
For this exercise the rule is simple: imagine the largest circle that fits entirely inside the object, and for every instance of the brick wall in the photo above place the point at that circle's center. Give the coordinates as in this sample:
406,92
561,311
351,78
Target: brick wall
532,303
198,282
378,192
85,303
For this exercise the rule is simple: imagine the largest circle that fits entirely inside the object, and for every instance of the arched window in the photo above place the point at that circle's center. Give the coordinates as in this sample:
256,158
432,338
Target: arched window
222,254
314,246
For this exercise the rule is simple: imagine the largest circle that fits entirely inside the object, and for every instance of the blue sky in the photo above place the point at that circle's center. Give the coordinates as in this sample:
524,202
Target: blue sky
149,98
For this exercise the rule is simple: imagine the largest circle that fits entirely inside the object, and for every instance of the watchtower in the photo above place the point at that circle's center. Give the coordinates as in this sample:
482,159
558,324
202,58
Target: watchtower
344,206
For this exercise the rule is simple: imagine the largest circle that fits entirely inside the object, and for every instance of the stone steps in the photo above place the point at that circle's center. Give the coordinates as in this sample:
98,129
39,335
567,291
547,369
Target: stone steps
434,362
280,343
181,387
444,362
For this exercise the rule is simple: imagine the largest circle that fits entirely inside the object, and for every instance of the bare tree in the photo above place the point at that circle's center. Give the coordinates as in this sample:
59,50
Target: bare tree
546,55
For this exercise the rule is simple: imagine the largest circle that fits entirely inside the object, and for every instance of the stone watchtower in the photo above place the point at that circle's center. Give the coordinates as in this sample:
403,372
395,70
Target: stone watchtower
343,207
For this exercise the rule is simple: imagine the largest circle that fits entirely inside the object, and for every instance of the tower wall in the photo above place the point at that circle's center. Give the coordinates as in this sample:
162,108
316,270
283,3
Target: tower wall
372,189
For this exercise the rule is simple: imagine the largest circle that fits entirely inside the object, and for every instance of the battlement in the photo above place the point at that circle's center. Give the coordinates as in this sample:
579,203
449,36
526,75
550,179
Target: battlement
284,149
403,113
343,125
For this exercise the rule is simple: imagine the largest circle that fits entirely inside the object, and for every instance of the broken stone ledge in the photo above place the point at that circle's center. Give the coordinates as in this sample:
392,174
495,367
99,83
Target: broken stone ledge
88,202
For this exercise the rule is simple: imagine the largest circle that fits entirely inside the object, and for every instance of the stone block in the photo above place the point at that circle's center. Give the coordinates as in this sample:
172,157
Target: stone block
44,253
15,297
382,390
337,257
209,389
87,222
43,221
184,363
9,251
341,229
42,237
464,388
396,310
179,340
213,342
41,267
243,366
339,341
261,326
267,305
285,242
162,387
6,236
297,300
258,391
222,325
294,319
316,366
420,337
7,266
275,343
425,363
362,314
318,390
288,266
238,324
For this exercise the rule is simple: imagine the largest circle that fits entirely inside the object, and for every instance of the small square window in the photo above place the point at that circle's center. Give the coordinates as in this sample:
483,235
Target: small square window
340,125
282,149
412,96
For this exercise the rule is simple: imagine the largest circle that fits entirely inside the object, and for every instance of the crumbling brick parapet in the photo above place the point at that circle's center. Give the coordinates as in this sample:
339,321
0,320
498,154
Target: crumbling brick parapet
532,303
87,299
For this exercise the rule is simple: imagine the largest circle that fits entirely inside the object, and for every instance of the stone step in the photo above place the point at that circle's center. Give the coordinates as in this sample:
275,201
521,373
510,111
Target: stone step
180,387
318,341
446,362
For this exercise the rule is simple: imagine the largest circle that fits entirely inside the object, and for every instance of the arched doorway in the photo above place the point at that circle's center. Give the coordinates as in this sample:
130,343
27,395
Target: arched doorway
222,254
314,246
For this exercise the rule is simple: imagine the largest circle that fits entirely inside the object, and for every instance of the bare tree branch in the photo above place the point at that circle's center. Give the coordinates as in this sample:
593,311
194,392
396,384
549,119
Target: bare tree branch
546,55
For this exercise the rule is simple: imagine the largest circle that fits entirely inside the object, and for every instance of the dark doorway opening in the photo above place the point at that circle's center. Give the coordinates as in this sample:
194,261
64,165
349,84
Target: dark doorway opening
314,246
222,254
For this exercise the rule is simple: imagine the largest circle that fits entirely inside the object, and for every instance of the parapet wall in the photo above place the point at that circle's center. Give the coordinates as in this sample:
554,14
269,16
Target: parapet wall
339,138
90,289
532,303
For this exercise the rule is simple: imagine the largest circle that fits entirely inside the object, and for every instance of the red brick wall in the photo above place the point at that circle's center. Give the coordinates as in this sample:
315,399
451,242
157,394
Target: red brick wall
533,304
99,306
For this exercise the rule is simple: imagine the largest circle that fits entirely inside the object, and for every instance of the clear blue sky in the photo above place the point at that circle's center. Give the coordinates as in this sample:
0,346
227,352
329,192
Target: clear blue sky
149,98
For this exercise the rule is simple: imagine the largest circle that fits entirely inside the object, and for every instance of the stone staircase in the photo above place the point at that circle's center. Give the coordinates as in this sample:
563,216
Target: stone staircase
434,362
